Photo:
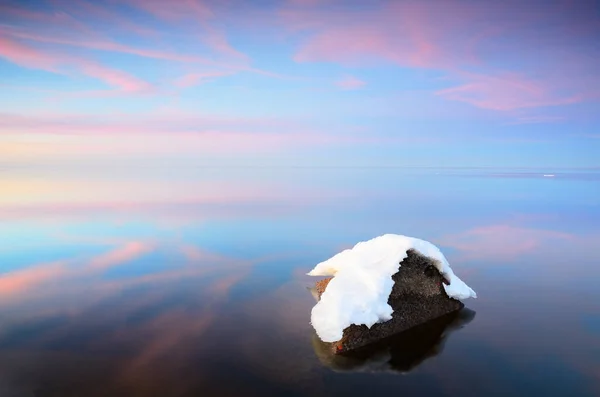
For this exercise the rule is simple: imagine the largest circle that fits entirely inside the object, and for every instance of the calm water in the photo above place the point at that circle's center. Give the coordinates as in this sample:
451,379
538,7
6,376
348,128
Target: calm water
191,281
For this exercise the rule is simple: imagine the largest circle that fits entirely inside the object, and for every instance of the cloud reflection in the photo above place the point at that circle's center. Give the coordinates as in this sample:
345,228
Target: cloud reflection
119,256
21,281
503,242
139,335
39,278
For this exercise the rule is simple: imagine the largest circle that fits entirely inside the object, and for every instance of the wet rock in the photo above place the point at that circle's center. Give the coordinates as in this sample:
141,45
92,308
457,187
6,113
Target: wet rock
418,296
399,353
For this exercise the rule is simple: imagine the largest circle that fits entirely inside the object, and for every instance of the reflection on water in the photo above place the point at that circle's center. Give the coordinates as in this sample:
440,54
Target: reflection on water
110,290
400,353
137,335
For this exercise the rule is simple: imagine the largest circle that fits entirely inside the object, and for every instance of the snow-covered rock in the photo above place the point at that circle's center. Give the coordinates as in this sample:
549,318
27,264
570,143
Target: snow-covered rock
359,291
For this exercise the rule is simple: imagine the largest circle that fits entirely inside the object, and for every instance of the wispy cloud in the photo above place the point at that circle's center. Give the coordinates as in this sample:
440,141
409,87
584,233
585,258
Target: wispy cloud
455,37
111,46
403,33
25,56
60,63
505,92
216,39
307,3
350,83
193,79
175,11
538,120
187,19
177,134
421,62
501,242
199,15
124,82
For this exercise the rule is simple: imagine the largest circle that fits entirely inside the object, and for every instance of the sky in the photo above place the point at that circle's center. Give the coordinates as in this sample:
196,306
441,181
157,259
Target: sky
300,83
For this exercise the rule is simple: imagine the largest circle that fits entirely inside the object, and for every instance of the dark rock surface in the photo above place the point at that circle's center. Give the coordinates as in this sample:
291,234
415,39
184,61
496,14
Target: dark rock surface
401,352
418,296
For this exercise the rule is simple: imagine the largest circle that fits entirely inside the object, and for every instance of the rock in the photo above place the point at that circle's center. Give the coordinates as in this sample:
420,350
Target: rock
418,296
401,352
321,285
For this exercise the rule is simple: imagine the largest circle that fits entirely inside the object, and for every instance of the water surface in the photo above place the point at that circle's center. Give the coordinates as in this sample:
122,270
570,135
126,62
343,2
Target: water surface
191,281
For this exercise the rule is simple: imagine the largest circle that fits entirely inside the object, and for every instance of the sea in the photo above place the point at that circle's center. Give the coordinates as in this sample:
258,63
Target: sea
168,281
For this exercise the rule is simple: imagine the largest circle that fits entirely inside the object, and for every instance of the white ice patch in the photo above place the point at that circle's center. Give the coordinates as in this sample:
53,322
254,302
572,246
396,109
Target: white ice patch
359,292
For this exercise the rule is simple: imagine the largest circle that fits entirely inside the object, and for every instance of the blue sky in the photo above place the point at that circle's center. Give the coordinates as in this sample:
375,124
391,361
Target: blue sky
302,82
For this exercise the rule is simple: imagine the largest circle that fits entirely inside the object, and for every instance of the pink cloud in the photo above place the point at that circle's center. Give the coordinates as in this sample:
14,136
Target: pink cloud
217,40
347,45
106,140
84,9
107,45
77,24
189,16
505,92
200,14
116,78
76,197
538,119
193,79
57,18
26,56
161,121
175,10
307,3
34,58
404,33
175,134
110,46
350,83
453,37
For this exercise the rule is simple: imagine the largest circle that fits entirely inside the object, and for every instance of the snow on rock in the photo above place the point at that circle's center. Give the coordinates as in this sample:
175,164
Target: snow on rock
359,292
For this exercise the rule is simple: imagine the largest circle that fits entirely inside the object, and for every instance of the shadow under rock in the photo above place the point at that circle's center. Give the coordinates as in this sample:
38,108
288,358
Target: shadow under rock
400,353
